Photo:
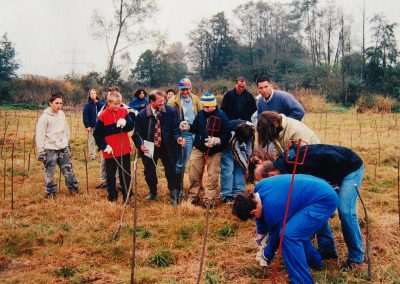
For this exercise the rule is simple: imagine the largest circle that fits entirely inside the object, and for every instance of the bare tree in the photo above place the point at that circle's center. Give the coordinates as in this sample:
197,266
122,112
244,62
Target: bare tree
124,28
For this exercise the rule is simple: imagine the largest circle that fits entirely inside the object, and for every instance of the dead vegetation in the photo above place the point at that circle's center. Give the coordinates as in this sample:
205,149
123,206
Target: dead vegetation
67,240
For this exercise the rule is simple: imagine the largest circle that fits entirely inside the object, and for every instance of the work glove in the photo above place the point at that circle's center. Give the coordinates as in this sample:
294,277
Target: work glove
42,157
184,126
121,123
212,141
108,150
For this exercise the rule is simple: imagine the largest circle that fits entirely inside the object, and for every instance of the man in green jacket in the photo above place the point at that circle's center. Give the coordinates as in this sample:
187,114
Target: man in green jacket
187,105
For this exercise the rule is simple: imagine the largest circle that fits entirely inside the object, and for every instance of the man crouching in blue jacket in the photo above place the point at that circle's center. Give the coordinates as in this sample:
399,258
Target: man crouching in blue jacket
313,201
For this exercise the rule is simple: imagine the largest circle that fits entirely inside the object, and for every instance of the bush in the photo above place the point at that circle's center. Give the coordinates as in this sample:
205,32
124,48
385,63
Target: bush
376,103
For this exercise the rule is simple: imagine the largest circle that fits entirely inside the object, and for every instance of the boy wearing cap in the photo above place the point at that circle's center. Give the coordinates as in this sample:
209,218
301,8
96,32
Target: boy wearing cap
211,129
188,106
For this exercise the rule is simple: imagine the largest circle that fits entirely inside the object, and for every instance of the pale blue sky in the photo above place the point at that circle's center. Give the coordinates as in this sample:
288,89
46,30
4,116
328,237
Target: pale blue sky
45,32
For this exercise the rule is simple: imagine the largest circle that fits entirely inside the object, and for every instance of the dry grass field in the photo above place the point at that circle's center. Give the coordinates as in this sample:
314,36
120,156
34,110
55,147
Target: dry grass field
68,240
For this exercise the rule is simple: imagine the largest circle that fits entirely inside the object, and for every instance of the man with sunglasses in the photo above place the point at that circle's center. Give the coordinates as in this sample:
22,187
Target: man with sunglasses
188,106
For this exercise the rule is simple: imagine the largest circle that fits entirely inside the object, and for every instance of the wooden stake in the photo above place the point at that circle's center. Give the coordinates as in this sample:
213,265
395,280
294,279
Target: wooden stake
351,139
12,177
379,143
16,132
4,136
86,169
135,217
398,187
4,177
23,176
326,121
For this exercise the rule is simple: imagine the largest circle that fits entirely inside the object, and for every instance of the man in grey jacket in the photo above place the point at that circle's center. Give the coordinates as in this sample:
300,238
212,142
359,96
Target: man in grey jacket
52,141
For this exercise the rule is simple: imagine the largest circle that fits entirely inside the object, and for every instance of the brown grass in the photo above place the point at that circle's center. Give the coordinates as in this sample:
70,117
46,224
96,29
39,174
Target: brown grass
311,100
67,240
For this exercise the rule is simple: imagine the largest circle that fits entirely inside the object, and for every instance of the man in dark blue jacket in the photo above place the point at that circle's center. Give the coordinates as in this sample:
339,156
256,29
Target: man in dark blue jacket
312,202
159,124
341,167
239,103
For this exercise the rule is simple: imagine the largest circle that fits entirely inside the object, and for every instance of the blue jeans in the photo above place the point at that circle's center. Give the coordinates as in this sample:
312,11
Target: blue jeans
184,156
232,175
347,209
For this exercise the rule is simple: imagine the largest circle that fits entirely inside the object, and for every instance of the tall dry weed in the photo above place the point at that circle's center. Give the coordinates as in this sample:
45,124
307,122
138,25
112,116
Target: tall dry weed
311,100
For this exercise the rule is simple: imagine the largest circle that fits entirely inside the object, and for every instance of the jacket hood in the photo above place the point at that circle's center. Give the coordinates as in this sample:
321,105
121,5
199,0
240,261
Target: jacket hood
49,112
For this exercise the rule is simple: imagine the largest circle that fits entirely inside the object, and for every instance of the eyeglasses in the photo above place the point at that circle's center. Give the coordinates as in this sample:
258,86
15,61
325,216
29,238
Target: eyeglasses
184,90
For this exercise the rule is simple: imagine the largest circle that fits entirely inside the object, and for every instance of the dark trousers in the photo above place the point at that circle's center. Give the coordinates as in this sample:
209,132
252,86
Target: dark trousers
150,172
111,169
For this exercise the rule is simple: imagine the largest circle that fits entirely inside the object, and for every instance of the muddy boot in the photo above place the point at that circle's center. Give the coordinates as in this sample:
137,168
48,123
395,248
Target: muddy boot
174,197
74,191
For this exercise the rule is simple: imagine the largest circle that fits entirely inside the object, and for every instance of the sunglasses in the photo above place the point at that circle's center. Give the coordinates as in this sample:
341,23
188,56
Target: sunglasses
184,90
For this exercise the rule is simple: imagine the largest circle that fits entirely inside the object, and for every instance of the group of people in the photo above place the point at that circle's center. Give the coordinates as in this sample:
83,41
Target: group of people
220,142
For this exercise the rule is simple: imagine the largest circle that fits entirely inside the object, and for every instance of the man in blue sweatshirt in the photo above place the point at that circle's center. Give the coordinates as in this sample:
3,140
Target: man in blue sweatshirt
342,168
312,202
277,100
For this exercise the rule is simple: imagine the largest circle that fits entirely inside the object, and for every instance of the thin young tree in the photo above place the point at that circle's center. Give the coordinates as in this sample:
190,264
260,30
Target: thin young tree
124,29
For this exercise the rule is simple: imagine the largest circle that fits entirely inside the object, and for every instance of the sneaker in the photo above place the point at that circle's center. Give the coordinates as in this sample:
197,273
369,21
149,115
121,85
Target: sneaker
227,199
151,197
101,186
350,265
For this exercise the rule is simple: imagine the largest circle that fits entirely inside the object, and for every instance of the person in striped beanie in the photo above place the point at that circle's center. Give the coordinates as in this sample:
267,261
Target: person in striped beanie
211,129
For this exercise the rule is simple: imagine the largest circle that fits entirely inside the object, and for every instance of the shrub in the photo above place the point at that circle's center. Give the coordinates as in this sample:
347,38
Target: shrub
227,230
376,103
162,258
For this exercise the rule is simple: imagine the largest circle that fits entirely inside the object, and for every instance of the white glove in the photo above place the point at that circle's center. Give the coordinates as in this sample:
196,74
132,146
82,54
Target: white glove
121,123
109,150
212,141
184,126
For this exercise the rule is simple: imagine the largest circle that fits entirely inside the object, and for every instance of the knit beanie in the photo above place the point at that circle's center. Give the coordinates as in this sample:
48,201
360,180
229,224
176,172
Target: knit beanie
208,99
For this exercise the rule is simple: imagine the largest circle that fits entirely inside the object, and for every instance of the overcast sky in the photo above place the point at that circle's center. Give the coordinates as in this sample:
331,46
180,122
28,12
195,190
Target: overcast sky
46,32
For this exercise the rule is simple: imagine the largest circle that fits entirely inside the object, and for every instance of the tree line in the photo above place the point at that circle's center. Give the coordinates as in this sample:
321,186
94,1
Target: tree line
300,44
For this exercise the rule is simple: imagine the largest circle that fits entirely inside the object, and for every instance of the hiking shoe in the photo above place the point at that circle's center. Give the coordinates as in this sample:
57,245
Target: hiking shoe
101,186
350,265
228,199
151,197
329,255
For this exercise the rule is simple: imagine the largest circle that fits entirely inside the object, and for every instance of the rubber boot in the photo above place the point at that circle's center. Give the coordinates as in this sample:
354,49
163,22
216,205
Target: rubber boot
174,197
